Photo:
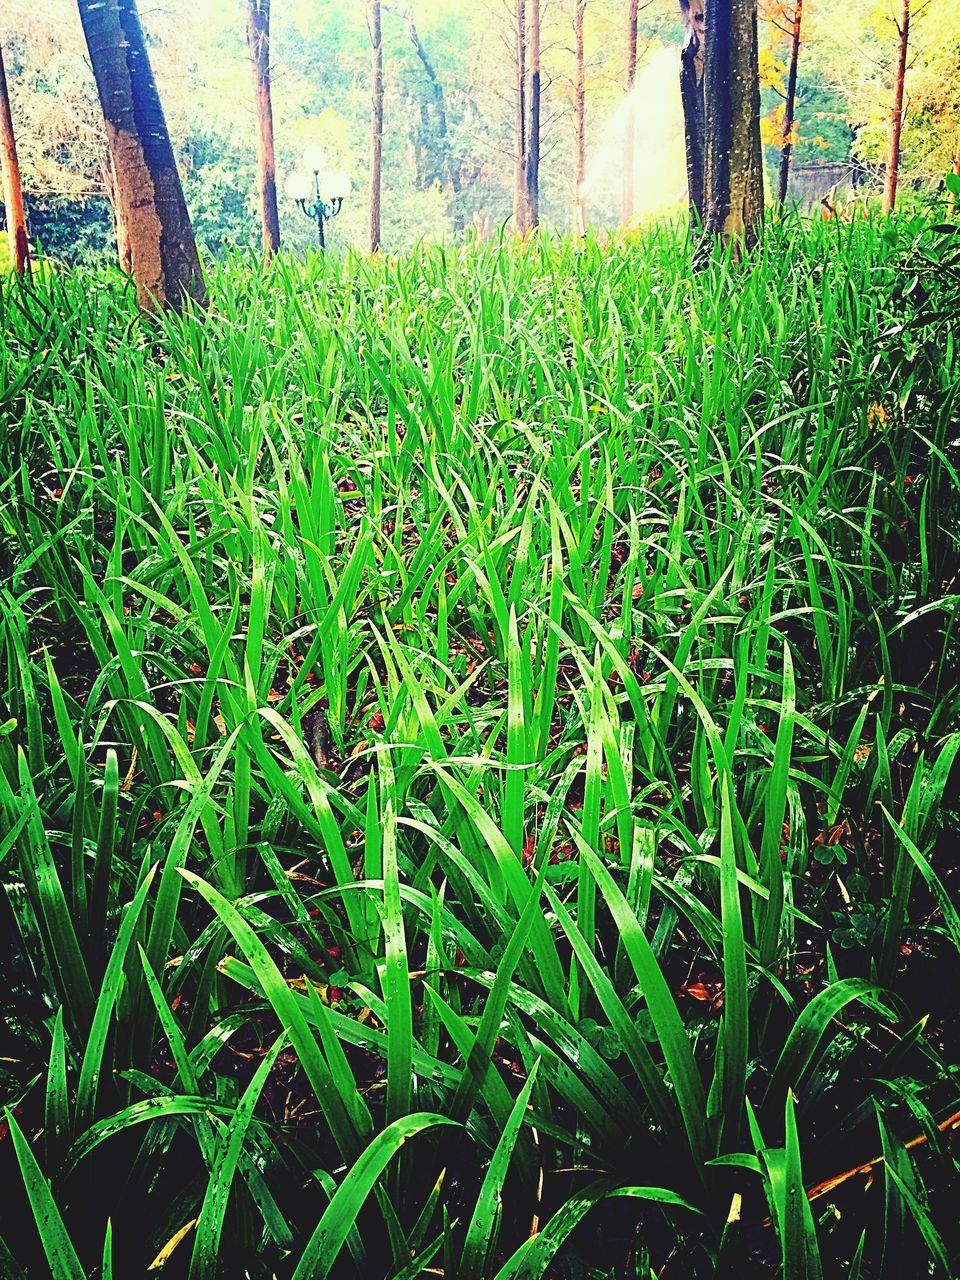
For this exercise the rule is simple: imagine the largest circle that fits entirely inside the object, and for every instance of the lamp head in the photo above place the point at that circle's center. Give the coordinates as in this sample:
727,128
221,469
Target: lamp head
314,158
299,186
335,186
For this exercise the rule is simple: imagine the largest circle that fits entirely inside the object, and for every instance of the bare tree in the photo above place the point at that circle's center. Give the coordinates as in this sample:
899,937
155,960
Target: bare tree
633,7
12,191
579,119
258,44
150,204
790,105
376,140
733,171
896,114
691,96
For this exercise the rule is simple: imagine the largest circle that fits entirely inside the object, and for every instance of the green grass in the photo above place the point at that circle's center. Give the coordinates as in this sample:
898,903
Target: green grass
471,728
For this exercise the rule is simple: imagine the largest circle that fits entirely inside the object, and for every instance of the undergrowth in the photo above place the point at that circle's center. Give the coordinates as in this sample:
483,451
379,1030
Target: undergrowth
477,766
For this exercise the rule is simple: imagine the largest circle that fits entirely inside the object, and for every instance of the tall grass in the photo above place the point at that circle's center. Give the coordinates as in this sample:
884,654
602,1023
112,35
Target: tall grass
472,725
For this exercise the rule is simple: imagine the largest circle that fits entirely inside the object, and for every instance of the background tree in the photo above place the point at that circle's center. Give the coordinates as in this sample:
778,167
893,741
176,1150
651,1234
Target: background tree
896,113
12,191
149,196
376,140
630,146
521,213
733,172
258,43
534,32
691,96
580,118
448,164
929,122
790,104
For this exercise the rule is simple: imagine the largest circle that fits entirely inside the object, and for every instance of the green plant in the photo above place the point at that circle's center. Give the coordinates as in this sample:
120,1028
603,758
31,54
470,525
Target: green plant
467,696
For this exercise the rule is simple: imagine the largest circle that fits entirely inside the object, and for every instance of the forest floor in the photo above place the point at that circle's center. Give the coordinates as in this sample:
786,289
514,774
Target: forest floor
477,765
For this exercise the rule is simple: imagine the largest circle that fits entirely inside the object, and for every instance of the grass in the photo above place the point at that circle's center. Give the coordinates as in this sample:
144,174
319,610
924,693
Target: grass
477,766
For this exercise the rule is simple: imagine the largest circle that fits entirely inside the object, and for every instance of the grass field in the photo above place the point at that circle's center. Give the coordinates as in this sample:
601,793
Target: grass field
478,777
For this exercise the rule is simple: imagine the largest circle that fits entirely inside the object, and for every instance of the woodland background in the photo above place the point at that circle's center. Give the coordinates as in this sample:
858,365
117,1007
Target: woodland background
320,52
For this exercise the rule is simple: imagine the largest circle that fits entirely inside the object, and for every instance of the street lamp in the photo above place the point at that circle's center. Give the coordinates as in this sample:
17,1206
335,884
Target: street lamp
319,192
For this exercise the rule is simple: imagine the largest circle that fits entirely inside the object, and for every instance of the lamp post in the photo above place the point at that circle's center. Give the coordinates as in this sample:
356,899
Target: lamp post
319,192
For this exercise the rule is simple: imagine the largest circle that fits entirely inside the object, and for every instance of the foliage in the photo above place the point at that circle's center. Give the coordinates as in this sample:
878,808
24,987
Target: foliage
423,669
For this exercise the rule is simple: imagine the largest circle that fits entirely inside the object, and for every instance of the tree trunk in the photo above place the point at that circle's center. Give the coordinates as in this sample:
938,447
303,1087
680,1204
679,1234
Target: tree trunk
533,132
896,116
150,203
443,132
733,188
258,44
520,214
630,145
691,97
376,147
119,227
790,107
579,117
12,191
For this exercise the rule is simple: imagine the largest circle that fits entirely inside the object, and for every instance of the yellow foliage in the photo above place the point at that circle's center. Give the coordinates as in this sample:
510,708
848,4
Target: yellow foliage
771,130
772,70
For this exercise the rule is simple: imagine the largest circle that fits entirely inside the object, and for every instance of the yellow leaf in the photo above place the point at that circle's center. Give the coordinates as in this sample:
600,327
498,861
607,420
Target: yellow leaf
163,1257
877,417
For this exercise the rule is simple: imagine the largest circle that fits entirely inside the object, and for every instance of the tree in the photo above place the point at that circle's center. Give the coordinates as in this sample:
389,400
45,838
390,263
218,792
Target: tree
790,105
376,140
691,94
579,119
633,7
124,252
533,132
449,165
150,204
526,194
733,169
12,191
896,114
258,44
520,212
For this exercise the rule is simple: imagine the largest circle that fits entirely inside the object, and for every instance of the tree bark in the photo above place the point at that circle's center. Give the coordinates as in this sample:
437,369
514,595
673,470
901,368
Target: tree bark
630,144
443,131
733,172
163,253
376,141
790,107
533,132
258,44
12,190
896,115
520,214
119,227
691,97
579,119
